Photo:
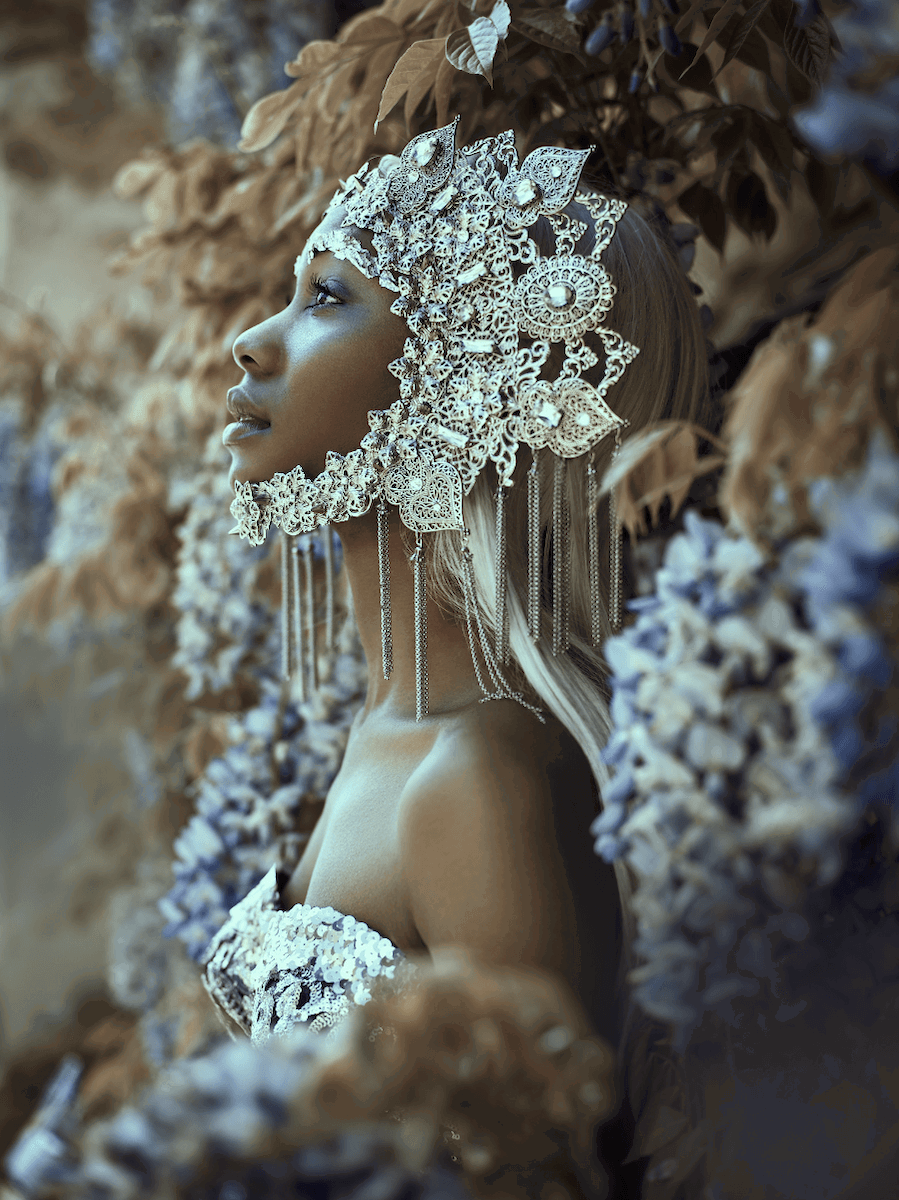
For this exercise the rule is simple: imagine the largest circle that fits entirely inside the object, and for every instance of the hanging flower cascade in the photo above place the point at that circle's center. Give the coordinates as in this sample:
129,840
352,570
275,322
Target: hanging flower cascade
249,810
225,625
854,114
418,1110
754,718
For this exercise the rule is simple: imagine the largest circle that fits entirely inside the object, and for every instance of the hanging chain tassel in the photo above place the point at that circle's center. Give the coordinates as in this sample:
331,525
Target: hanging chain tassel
593,540
502,616
285,606
615,551
328,549
534,557
503,690
421,629
306,546
561,559
299,658
384,579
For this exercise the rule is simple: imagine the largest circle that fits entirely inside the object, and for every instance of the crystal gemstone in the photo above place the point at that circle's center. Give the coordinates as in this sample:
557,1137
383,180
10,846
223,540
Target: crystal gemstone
525,192
414,176
560,295
414,485
425,151
583,419
548,414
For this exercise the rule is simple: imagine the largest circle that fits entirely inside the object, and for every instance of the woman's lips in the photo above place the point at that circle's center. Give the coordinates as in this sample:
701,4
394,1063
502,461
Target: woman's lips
246,427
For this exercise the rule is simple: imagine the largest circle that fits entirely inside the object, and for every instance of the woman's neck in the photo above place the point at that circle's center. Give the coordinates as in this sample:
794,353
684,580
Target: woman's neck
452,683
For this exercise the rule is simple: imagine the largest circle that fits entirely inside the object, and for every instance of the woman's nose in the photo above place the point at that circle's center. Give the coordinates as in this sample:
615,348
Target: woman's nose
257,350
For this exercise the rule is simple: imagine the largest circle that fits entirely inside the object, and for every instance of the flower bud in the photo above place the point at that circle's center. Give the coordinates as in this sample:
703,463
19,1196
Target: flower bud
578,6
635,81
670,40
625,23
601,37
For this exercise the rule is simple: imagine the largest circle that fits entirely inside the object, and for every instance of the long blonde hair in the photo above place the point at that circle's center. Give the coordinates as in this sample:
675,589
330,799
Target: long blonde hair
655,310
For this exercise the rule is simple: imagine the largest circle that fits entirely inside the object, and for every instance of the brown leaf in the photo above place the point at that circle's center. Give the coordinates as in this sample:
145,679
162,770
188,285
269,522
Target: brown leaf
742,30
416,69
314,58
473,49
696,7
704,206
268,116
374,30
655,463
135,177
555,28
718,22
809,48
443,90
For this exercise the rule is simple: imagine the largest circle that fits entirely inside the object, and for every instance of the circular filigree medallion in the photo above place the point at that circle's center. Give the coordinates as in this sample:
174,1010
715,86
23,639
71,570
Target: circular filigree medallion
561,298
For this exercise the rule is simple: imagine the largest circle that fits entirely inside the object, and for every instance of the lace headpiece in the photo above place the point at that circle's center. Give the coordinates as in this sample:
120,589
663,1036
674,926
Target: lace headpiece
450,235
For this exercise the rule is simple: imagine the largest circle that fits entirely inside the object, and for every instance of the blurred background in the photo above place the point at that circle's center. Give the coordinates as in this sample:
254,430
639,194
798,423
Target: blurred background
137,239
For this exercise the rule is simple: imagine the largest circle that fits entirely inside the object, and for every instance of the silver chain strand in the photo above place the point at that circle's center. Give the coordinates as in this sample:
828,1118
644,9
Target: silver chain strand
328,548
285,607
502,686
502,616
593,546
534,556
310,612
615,551
299,656
384,581
561,565
421,629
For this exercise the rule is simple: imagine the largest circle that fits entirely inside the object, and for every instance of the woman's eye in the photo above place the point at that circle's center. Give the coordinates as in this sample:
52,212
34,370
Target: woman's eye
318,289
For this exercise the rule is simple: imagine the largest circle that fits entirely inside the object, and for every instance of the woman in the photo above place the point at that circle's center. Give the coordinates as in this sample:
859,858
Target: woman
453,820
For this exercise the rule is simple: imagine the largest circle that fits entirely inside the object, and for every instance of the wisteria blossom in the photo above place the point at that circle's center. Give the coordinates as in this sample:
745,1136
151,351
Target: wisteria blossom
752,723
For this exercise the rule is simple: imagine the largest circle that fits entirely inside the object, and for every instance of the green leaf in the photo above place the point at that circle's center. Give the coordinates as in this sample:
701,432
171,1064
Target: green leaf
420,62
740,31
473,49
705,208
719,20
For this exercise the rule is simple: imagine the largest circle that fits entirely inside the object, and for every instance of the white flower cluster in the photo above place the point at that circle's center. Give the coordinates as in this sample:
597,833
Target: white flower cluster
736,738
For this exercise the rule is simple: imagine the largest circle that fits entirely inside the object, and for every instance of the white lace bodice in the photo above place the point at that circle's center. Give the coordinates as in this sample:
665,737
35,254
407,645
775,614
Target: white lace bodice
270,969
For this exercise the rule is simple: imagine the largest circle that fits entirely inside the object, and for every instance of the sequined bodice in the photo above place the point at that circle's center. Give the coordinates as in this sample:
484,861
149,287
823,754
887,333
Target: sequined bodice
270,969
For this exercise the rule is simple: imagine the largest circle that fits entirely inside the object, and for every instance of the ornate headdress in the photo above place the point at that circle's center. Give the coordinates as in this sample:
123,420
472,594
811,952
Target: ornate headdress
447,227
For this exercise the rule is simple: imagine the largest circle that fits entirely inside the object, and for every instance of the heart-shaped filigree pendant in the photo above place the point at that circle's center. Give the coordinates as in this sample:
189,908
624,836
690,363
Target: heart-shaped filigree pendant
428,494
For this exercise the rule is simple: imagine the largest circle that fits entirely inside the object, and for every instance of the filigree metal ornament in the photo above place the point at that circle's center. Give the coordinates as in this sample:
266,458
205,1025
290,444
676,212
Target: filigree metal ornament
450,235
449,228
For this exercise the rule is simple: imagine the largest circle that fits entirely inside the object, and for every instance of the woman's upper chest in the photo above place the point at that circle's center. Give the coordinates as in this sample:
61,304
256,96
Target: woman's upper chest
353,860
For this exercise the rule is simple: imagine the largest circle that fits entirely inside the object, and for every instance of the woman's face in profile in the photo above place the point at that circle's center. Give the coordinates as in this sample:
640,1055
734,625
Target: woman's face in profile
314,370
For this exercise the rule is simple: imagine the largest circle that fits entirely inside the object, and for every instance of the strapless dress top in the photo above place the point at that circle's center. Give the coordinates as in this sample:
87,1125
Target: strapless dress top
269,970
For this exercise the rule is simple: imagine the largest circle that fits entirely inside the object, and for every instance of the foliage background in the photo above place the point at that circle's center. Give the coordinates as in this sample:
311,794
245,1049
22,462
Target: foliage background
139,643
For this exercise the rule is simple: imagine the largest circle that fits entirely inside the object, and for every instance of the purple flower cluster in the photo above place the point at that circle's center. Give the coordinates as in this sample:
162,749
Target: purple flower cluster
249,799
205,61
26,498
219,1128
751,726
856,113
